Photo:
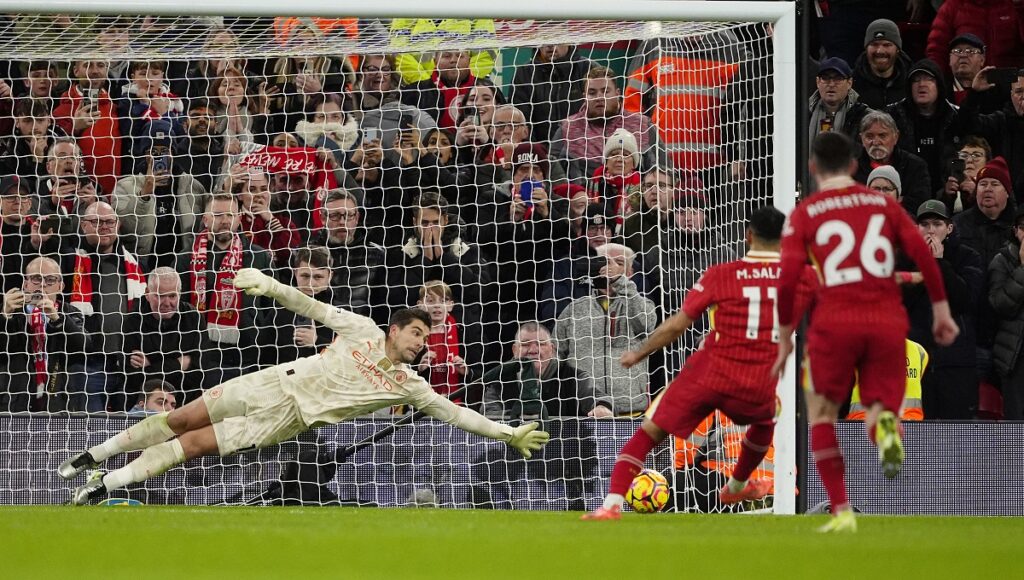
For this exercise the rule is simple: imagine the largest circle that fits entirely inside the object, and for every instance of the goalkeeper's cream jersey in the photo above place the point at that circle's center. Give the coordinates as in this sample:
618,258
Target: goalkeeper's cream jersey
353,376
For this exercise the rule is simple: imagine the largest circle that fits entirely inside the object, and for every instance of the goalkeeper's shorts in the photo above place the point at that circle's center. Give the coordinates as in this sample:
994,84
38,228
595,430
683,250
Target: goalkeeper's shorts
252,411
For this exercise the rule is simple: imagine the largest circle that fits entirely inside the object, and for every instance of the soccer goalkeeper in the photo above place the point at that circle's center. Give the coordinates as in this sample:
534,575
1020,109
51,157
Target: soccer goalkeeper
361,371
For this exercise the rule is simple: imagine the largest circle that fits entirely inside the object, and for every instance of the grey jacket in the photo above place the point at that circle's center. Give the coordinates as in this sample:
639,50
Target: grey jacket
138,215
592,340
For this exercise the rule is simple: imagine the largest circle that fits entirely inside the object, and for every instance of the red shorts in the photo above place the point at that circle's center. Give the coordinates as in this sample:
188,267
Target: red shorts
686,402
875,357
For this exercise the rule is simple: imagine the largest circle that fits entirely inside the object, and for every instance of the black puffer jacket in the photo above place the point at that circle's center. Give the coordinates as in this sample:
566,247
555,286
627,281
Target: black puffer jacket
1006,295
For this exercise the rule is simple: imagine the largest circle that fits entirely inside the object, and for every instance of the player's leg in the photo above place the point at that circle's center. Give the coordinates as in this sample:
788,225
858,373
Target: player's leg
882,388
154,461
831,360
678,410
152,430
755,445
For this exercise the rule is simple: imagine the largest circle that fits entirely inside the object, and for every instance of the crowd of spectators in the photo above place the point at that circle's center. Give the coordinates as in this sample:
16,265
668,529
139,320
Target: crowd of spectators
552,215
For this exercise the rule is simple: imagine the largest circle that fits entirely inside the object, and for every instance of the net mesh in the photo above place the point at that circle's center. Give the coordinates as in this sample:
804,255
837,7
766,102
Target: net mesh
546,190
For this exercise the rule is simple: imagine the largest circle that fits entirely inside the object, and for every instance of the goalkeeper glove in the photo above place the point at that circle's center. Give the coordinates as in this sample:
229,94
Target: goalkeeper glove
254,282
526,439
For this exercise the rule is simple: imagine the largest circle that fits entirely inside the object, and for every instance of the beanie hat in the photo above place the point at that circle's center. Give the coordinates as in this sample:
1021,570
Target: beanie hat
530,154
596,216
997,169
883,29
689,193
887,172
622,139
568,190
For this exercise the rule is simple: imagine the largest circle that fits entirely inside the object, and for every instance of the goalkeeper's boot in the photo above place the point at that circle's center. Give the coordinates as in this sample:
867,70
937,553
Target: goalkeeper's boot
92,489
602,513
890,444
77,464
756,489
843,522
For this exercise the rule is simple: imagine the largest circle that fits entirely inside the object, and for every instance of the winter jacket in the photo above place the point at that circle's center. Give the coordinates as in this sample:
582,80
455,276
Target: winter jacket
101,143
593,337
964,278
512,391
1004,130
547,91
987,237
876,92
140,216
164,342
579,142
913,172
847,118
998,23
1006,295
948,136
277,333
66,343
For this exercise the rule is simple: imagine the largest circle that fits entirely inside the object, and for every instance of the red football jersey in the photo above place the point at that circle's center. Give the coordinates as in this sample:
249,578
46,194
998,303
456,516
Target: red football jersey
738,353
851,234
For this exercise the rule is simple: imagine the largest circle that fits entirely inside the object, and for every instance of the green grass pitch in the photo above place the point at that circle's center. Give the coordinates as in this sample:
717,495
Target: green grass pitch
247,543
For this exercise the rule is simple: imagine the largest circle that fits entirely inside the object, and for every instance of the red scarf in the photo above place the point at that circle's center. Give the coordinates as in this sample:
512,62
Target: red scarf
445,346
222,313
296,160
450,97
37,328
81,281
626,186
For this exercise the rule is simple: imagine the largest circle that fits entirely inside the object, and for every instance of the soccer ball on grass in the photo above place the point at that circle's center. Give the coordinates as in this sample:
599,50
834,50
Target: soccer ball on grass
648,493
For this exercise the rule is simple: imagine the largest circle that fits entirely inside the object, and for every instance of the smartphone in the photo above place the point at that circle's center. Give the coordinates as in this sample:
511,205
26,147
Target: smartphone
407,122
956,168
1003,76
526,191
161,161
371,134
472,114
49,223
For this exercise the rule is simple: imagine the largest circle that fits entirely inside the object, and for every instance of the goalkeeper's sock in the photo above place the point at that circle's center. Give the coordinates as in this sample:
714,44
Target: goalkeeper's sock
149,431
755,446
829,459
153,461
629,463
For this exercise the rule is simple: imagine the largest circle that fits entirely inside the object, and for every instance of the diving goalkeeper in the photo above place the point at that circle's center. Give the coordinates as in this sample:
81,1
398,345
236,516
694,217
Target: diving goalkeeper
360,372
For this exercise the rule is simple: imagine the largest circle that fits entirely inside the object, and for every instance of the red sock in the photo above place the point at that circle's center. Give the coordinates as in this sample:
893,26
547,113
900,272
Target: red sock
829,459
755,445
630,461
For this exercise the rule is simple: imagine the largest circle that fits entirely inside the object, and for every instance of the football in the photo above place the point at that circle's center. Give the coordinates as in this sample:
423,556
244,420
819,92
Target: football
648,493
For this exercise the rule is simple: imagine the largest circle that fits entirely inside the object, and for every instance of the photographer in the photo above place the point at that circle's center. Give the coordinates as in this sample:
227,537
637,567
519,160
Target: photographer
41,336
64,193
595,330
958,193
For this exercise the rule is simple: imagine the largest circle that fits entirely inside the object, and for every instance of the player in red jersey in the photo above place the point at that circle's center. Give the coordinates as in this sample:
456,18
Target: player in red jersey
732,371
851,234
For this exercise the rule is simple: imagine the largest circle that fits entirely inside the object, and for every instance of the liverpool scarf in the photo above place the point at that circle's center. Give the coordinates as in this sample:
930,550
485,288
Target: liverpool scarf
82,286
223,312
296,160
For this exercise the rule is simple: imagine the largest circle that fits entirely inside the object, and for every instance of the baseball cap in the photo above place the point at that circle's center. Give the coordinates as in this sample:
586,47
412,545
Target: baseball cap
836,64
11,182
968,39
933,207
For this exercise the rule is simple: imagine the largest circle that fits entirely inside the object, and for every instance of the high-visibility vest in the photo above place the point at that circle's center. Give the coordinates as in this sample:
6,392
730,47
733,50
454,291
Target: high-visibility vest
911,410
689,93
422,36
284,26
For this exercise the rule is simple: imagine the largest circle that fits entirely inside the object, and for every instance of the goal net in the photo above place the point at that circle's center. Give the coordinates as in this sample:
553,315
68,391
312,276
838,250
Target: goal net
546,190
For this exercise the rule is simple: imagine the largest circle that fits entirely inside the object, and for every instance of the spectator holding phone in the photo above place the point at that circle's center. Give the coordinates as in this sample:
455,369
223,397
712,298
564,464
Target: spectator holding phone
23,152
146,98
158,206
41,339
87,111
64,193
962,184
285,335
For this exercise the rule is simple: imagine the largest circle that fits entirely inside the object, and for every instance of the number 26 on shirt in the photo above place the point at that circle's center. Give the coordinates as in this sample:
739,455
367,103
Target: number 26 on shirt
875,255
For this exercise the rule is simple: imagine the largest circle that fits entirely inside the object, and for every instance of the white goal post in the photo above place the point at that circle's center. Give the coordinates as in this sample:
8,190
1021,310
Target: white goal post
652,19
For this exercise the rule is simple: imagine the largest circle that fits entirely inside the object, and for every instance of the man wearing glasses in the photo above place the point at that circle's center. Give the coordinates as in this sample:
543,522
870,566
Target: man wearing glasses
106,283
835,106
41,336
17,242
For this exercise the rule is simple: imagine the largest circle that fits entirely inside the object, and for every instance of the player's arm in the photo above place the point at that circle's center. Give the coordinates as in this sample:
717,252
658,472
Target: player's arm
793,268
257,283
525,439
666,333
